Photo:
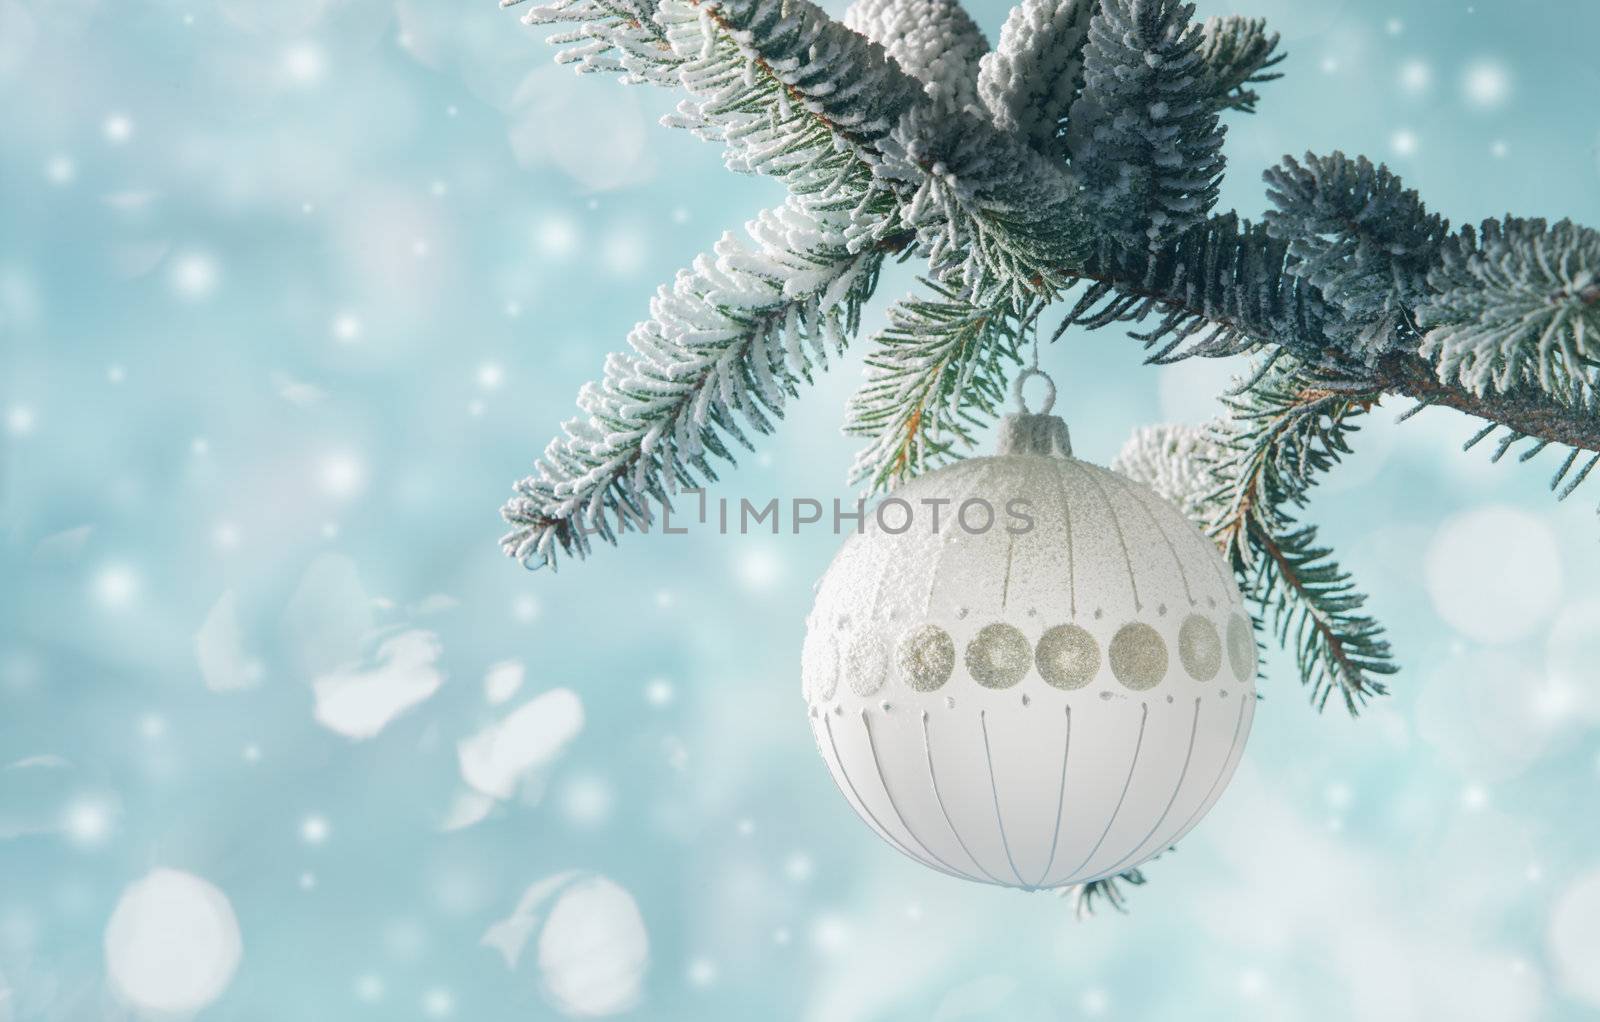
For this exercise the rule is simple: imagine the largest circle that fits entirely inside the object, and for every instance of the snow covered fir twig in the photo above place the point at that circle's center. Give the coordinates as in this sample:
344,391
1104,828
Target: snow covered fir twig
1075,167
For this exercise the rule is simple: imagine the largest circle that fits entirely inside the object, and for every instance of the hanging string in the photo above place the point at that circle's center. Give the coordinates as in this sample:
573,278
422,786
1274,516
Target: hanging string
1027,374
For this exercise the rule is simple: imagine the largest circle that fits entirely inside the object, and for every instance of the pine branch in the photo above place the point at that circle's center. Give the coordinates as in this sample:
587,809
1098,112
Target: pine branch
987,209
984,206
1036,72
1525,414
1239,52
618,36
935,376
1363,240
1279,436
797,97
1106,891
724,349
1530,413
1145,135
1241,479
792,94
1030,81
1221,288
1176,461
934,41
1347,271
1314,605
1517,307
1225,288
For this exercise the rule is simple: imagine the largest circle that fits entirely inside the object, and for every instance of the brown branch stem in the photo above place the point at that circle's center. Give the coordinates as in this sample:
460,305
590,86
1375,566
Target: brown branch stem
1291,578
1530,415
1242,528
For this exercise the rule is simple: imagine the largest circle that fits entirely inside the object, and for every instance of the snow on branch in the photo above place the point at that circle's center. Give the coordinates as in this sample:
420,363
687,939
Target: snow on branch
872,163
982,203
724,349
1363,239
1145,133
1030,81
1239,52
934,41
619,36
1517,305
1176,462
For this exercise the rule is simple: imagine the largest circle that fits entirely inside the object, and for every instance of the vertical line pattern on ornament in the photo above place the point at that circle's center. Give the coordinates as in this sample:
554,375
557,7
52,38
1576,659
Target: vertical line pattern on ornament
890,562
1214,557
1132,490
988,469
1194,727
1227,764
1116,523
883,779
866,811
1210,553
994,789
1072,568
884,569
1144,717
1061,800
927,745
1011,552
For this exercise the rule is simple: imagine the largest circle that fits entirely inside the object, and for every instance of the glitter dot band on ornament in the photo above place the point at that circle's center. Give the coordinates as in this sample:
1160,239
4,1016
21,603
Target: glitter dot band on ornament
1036,708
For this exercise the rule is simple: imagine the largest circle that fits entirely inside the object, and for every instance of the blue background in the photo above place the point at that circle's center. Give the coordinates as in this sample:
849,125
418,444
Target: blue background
292,292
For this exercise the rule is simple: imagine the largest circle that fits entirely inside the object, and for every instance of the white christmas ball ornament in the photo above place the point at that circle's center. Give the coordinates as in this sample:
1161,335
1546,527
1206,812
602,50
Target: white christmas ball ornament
1050,684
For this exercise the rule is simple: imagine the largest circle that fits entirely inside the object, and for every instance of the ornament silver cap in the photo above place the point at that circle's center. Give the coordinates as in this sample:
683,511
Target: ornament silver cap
1029,432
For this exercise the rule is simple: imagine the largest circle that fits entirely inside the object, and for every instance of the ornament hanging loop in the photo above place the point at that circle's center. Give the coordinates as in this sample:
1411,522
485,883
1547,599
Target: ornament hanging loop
1049,393
1034,432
